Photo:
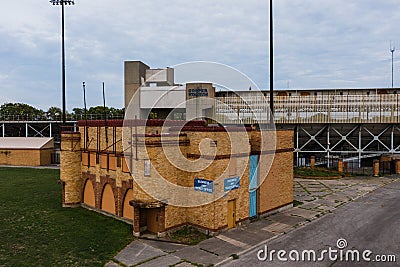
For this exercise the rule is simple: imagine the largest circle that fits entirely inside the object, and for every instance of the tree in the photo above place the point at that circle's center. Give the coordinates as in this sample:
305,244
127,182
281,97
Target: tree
78,113
20,111
99,111
53,113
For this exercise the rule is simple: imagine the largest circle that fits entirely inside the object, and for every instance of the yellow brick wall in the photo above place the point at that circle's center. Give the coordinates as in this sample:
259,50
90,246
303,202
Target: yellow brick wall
45,156
23,157
276,191
70,168
214,215
175,216
277,188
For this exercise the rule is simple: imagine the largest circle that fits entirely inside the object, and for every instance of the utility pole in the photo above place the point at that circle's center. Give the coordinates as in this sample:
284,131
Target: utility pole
271,61
392,49
62,3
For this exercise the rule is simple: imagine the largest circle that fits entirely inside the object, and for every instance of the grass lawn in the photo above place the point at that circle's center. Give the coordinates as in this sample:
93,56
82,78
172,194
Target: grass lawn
36,231
317,172
187,235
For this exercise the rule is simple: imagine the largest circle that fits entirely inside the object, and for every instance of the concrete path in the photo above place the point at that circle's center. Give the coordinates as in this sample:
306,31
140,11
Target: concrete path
314,199
51,167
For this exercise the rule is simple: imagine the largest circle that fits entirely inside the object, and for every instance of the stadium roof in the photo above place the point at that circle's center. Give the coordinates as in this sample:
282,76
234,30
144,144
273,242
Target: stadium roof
26,142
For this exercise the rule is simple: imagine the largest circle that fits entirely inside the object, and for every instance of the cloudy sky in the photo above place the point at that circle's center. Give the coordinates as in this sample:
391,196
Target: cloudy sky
319,43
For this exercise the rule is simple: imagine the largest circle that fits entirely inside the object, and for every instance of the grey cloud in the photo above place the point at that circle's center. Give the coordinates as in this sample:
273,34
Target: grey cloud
318,44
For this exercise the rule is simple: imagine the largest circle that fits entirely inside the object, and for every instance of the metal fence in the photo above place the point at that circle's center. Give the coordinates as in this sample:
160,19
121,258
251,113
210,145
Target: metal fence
310,109
354,168
70,118
387,167
331,164
55,157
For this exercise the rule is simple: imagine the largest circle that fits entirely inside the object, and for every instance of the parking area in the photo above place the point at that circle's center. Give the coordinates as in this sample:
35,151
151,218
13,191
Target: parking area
321,196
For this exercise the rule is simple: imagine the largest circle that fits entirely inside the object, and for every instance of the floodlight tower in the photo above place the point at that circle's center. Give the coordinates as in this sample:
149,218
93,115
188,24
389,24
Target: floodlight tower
271,60
392,49
62,3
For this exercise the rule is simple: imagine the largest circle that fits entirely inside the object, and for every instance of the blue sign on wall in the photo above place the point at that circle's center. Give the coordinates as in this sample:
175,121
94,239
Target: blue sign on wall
231,183
203,185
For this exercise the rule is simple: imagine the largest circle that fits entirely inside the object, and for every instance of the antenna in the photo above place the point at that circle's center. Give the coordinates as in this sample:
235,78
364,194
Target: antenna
392,49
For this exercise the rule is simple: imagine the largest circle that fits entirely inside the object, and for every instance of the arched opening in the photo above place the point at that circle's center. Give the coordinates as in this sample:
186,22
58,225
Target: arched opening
127,210
88,194
107,199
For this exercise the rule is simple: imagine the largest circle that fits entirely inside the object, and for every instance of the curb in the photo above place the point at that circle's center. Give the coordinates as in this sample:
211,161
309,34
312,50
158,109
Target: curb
248,249
163,240
271,239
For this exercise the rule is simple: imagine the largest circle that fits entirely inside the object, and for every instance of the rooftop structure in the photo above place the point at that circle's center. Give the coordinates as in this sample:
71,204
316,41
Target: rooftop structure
26,151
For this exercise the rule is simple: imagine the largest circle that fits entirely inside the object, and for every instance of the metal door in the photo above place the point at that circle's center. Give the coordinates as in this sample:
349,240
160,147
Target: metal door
253,186
152,220
231,213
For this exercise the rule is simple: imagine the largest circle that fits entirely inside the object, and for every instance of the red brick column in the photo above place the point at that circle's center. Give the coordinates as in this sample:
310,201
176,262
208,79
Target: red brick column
312,163
136,221
340,166
161,220
397,166
376,167
346,166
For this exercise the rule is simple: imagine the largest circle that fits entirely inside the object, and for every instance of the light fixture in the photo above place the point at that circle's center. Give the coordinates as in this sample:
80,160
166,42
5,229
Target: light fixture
62,3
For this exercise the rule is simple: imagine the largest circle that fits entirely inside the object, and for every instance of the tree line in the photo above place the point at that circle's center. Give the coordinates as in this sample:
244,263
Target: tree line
16,111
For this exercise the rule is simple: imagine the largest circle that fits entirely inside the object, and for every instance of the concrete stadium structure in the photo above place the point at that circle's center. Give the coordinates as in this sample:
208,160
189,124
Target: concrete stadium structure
353,124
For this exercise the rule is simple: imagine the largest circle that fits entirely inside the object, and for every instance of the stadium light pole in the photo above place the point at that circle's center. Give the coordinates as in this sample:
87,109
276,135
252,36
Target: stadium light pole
63,3
271,55
271,59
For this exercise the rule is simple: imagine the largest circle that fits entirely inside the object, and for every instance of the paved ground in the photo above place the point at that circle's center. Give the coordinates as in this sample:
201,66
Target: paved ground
52,166
369,223
315,199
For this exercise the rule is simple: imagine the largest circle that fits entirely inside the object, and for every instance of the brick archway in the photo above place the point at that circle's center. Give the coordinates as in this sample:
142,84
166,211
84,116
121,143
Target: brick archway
127,209
108,202
89,197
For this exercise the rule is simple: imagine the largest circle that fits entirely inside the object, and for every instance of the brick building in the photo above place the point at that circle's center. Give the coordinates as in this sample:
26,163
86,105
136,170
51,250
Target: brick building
98,174
163,174
26,151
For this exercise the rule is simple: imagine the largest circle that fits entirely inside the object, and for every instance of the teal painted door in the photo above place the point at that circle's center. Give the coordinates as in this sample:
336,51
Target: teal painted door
253,185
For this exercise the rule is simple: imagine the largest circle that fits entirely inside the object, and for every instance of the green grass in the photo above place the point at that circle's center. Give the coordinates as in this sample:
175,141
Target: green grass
234,256
317,172
187,235
297,203
36,231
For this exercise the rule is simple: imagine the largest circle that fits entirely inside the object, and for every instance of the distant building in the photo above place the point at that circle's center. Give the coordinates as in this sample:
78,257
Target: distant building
155,91
26,151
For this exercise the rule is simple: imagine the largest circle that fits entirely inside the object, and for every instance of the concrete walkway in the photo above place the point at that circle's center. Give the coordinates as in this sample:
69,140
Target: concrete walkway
51,167
314,198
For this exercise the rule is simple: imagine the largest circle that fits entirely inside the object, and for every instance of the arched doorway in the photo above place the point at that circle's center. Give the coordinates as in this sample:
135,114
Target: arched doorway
108,200
127,210
88,194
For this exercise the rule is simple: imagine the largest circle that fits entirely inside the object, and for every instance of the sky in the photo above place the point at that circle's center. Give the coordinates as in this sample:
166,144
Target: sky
318,44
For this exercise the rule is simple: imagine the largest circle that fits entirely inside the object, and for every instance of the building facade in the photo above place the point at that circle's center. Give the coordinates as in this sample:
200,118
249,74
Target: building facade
26,151
141,181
